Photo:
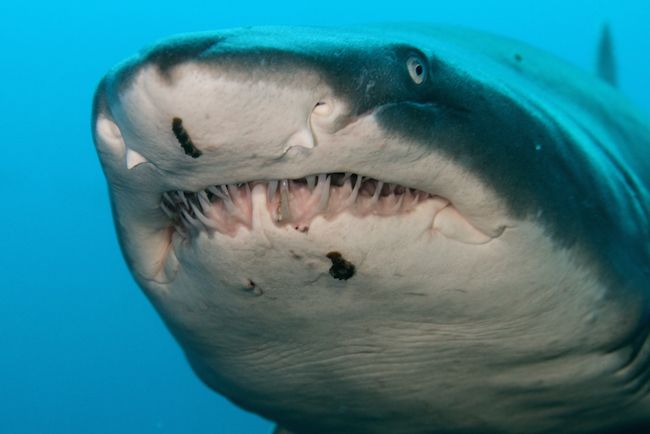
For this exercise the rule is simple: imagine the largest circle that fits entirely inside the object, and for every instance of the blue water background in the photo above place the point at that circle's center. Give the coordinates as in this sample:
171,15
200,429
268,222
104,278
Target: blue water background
81,350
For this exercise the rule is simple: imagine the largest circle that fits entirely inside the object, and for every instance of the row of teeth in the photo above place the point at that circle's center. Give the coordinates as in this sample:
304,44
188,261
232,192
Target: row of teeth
224,208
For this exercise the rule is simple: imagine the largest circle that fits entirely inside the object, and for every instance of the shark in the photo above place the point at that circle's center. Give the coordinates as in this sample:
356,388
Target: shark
387,229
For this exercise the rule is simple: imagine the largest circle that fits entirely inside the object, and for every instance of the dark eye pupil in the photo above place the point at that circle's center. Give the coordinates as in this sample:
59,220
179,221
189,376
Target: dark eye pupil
418,69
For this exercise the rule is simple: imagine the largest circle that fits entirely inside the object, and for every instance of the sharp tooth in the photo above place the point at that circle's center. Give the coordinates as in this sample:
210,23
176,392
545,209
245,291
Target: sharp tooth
285,210
398,204
271,189
230,206
203,219
134,158
375,196
311,182
355,191
181,230
189,219
324,191
219,193
187,225
411,201
204,201
166,197
234,192
246,187
183,198
166,210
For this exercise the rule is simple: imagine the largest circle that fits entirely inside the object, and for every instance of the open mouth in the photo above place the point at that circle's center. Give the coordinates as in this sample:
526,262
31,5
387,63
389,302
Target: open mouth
296,202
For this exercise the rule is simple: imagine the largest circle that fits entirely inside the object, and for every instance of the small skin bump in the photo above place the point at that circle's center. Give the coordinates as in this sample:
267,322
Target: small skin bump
340,269
184,139
252,288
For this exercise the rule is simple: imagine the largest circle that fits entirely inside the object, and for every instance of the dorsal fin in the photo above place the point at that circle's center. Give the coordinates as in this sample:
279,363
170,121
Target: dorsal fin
606,63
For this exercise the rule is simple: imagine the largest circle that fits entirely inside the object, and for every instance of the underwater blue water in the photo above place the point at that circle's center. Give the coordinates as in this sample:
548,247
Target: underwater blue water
81,350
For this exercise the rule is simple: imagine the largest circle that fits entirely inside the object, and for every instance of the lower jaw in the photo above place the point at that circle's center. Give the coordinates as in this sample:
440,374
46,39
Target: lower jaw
346,249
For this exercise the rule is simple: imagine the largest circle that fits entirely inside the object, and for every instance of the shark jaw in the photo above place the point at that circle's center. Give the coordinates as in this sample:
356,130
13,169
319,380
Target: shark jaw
182,166
226,208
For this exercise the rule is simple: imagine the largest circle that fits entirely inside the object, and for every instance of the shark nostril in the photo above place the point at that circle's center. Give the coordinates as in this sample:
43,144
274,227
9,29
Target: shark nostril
323,108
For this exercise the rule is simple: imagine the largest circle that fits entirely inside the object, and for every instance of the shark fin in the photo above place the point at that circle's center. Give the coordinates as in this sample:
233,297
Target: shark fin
605,62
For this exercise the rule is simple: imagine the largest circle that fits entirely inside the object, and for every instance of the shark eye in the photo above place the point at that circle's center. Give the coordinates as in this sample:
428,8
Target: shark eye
417,71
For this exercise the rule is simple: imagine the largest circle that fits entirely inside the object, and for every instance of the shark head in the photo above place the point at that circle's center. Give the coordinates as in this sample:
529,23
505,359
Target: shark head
381,231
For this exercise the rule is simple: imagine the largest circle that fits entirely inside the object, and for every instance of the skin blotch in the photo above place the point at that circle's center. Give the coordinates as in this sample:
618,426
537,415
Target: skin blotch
294,255
184,138
340,269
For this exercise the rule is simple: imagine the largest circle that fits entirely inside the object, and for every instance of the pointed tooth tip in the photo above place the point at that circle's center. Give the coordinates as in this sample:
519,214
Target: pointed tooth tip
271,189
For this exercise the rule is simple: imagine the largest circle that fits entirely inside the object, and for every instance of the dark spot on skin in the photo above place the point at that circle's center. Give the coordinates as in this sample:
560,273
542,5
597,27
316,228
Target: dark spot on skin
184,138
340,269
294,255
302,229
518,57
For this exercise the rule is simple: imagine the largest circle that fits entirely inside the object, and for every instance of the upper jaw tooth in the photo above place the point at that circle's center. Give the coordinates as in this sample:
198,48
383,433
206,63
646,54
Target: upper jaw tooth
284,211
387,198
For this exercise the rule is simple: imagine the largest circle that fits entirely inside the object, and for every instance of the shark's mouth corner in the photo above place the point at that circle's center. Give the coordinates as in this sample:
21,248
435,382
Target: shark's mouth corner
296,202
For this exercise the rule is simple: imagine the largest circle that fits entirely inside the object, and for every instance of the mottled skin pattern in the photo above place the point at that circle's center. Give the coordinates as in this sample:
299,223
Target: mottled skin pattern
542,329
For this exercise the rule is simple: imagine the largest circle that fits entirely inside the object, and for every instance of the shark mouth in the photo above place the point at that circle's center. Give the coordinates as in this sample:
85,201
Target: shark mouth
296,202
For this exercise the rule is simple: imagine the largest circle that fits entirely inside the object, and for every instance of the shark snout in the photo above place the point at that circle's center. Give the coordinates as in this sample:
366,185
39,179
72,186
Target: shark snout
198,118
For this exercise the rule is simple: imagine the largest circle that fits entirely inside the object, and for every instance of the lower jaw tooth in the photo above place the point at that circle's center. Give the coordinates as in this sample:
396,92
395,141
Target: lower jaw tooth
324,185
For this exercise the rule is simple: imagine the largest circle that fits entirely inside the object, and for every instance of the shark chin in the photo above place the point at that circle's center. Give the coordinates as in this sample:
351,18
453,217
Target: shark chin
399,229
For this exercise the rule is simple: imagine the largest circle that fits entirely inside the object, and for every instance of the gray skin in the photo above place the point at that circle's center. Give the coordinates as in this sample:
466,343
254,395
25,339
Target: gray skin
542,329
